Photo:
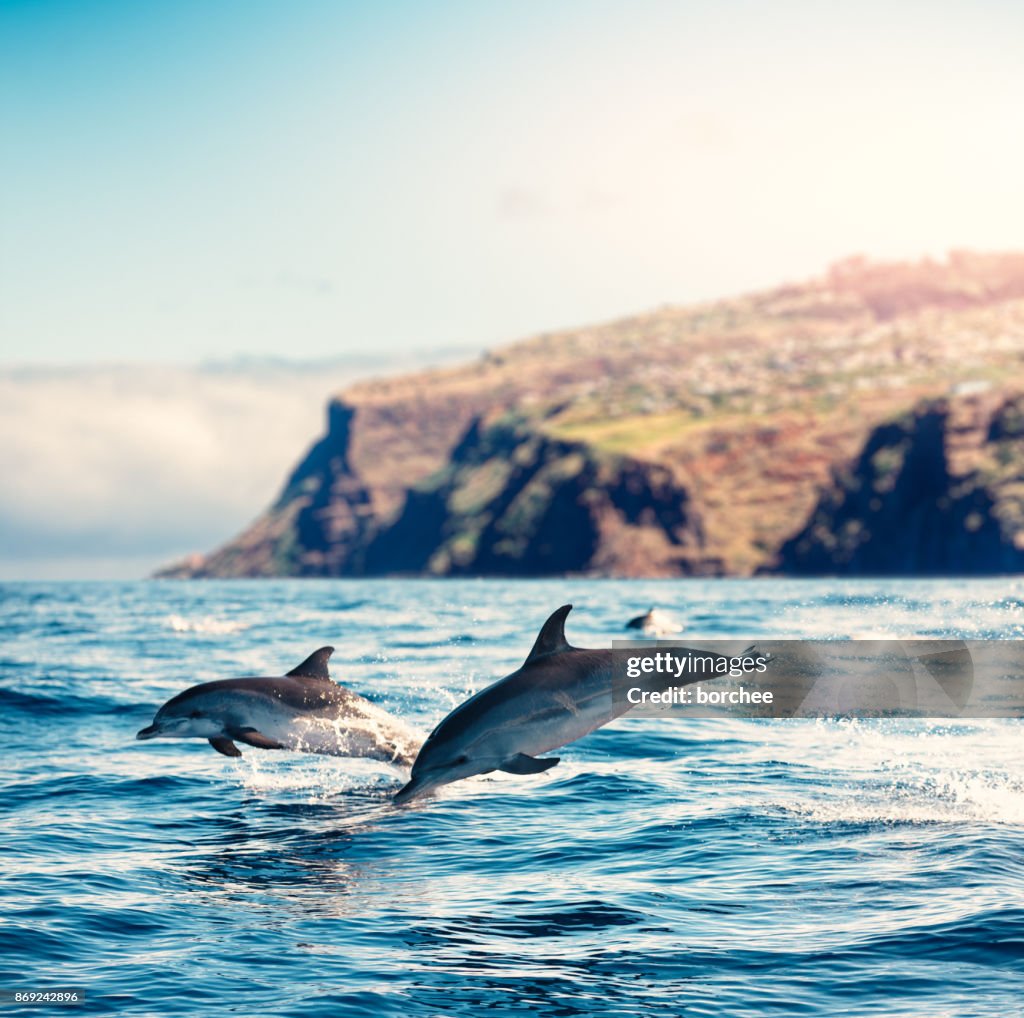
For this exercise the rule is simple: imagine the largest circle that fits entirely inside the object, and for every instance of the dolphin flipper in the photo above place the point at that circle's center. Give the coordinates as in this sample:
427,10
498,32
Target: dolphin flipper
523,764
225,746
253,738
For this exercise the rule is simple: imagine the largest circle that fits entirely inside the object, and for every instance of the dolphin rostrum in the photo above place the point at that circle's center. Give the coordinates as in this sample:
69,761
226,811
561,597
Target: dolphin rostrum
559,695
303,710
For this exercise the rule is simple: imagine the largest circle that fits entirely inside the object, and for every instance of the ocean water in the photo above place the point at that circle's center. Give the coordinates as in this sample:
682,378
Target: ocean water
719,867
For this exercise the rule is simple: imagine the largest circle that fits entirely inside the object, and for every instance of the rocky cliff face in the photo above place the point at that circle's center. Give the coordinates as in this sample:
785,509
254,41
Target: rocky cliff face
508,502
939,491
809,428
512,502
347,488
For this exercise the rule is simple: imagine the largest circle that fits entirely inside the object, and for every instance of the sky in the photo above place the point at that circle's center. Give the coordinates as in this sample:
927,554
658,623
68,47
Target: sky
192,185
194,180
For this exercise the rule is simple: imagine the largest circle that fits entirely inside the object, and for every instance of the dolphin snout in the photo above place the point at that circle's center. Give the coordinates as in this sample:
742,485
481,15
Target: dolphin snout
405,793
414,789
149,732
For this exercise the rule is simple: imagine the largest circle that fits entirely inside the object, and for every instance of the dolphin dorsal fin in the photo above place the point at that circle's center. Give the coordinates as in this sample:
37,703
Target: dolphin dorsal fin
315,666
551,639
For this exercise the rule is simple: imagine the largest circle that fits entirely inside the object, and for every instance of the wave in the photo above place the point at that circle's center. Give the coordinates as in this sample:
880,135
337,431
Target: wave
205,624
37,704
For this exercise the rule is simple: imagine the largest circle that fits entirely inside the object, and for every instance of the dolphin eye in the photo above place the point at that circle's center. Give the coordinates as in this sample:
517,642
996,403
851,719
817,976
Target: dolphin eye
196,714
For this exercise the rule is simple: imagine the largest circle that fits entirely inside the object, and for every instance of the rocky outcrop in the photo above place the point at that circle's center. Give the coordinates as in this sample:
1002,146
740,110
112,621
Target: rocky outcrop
509,502
318,524
777,431
940,491
512,502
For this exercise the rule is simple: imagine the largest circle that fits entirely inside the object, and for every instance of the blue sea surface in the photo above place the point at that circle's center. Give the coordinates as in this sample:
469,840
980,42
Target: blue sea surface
666,866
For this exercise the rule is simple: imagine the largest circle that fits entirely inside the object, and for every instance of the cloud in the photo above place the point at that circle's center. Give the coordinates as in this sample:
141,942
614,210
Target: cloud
144,463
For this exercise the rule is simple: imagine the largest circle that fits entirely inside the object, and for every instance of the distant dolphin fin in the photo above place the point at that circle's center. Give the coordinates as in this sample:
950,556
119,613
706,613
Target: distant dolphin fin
225,746
551,639
253,738
315,666
523,764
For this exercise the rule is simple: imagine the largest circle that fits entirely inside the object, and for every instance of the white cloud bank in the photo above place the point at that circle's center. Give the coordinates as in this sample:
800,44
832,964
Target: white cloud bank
112,471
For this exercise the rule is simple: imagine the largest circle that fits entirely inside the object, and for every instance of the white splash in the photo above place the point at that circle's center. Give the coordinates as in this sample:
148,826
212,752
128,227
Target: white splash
924,772
374,734
655,624
313,779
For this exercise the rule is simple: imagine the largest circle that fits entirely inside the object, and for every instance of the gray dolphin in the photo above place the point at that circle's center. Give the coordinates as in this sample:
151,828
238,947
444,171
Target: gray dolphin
655,623
303,710
559,695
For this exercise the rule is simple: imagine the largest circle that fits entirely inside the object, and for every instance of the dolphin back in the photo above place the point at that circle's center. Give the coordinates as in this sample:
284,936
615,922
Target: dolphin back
292,692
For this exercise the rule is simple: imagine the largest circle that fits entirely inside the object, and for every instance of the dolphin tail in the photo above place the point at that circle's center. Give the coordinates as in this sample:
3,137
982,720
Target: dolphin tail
752,651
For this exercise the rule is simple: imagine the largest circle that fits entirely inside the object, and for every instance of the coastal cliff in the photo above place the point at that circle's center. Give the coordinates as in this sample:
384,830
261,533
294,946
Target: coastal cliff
806,429
940,491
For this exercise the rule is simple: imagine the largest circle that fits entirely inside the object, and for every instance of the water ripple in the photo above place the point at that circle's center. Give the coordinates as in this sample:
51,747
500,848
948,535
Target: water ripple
718,866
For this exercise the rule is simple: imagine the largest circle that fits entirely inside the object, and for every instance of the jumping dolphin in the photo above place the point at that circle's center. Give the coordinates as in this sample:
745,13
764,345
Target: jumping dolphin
559,695
303,710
